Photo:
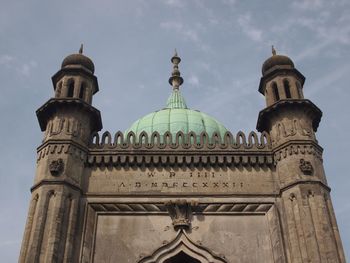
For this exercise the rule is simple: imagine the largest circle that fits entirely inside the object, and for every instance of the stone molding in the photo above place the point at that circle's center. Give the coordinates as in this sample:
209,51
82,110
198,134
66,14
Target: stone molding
200,208
61,147
45,112
185,158
297,148
182,243
309,108
304,182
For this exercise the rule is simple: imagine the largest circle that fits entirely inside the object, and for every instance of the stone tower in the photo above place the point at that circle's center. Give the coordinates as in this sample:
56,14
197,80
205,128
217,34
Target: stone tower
67,120
177,186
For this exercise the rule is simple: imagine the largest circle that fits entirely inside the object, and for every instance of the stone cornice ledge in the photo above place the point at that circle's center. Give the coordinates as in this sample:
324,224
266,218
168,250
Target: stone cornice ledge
301,181
182,158
56,182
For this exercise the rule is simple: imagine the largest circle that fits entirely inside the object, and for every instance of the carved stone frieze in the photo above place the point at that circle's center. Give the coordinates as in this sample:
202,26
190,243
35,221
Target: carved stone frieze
297,149
61,148
289,129
64,125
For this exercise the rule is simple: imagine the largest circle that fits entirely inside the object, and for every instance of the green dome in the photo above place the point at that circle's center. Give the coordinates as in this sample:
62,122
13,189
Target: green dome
177,117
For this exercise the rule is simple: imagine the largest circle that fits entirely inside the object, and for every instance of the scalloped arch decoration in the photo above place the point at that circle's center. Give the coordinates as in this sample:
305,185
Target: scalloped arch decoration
182,243
182,140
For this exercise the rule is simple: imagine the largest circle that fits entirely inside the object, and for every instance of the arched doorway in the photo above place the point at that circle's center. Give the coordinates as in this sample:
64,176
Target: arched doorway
182,258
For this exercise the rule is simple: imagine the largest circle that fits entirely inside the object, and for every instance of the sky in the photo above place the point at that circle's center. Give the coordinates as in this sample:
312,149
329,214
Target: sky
222,45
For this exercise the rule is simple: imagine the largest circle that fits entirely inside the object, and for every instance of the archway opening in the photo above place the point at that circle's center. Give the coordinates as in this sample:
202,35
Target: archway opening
182,258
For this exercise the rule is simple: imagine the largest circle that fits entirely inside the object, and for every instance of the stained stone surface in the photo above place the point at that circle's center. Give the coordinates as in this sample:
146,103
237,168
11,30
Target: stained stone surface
222,199
124,239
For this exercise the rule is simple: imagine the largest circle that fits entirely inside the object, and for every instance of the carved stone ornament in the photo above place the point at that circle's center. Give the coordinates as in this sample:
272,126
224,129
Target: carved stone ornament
306,167
182,243
56,167
180,212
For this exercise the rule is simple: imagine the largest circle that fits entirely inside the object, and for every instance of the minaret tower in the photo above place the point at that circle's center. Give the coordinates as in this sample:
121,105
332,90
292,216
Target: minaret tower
67,120
291,120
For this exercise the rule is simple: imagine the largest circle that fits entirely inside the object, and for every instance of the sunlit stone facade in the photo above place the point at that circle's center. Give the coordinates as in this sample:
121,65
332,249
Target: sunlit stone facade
177,186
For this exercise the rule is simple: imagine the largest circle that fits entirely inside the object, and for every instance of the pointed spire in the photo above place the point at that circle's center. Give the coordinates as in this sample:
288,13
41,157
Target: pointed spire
81,49
273,51
175,80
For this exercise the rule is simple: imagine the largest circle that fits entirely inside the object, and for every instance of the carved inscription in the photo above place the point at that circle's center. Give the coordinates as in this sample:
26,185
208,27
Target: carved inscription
159,181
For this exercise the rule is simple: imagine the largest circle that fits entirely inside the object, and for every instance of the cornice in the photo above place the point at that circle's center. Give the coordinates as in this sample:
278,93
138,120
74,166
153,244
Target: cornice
53,104
309,108
56,182
304,182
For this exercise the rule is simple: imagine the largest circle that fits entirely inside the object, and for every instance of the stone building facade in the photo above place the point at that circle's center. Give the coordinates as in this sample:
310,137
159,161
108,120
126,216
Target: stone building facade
177,186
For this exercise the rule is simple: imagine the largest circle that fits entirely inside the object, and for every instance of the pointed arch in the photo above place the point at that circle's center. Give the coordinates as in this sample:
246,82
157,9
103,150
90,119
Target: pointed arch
82,90
275,91
182,244
287,88
70,91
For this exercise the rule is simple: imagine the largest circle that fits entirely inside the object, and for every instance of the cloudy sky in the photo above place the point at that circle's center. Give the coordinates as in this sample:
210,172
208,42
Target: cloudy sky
222,45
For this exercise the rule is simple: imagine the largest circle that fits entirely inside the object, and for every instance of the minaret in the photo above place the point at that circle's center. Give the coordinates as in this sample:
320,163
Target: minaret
67,120
291,120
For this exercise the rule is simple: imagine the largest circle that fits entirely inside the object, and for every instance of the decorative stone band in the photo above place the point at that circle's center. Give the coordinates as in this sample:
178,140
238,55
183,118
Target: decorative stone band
297,148
170,158
181,149
45,112
180,141
62,147
199,208
308,107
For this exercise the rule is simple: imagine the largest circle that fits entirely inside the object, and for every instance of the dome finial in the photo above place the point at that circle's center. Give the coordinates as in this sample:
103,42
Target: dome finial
175,80
81,49
273,51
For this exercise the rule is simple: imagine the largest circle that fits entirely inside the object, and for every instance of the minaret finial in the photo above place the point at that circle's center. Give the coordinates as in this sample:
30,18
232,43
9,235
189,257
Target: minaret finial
81,49
273,51
176,80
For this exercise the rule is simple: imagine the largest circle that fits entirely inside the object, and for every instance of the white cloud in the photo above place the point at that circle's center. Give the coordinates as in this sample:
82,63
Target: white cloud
307,4
175,3
230,2
6,60
186,32
12,63
193,80
327,80
245,22
179,28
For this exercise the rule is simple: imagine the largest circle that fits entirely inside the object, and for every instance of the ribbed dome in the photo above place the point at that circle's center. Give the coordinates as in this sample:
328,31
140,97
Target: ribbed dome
79,59
177,117
276,60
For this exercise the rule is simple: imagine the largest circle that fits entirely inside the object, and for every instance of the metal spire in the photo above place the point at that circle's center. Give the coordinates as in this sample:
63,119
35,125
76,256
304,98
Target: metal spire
273,51
175,80
81,49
